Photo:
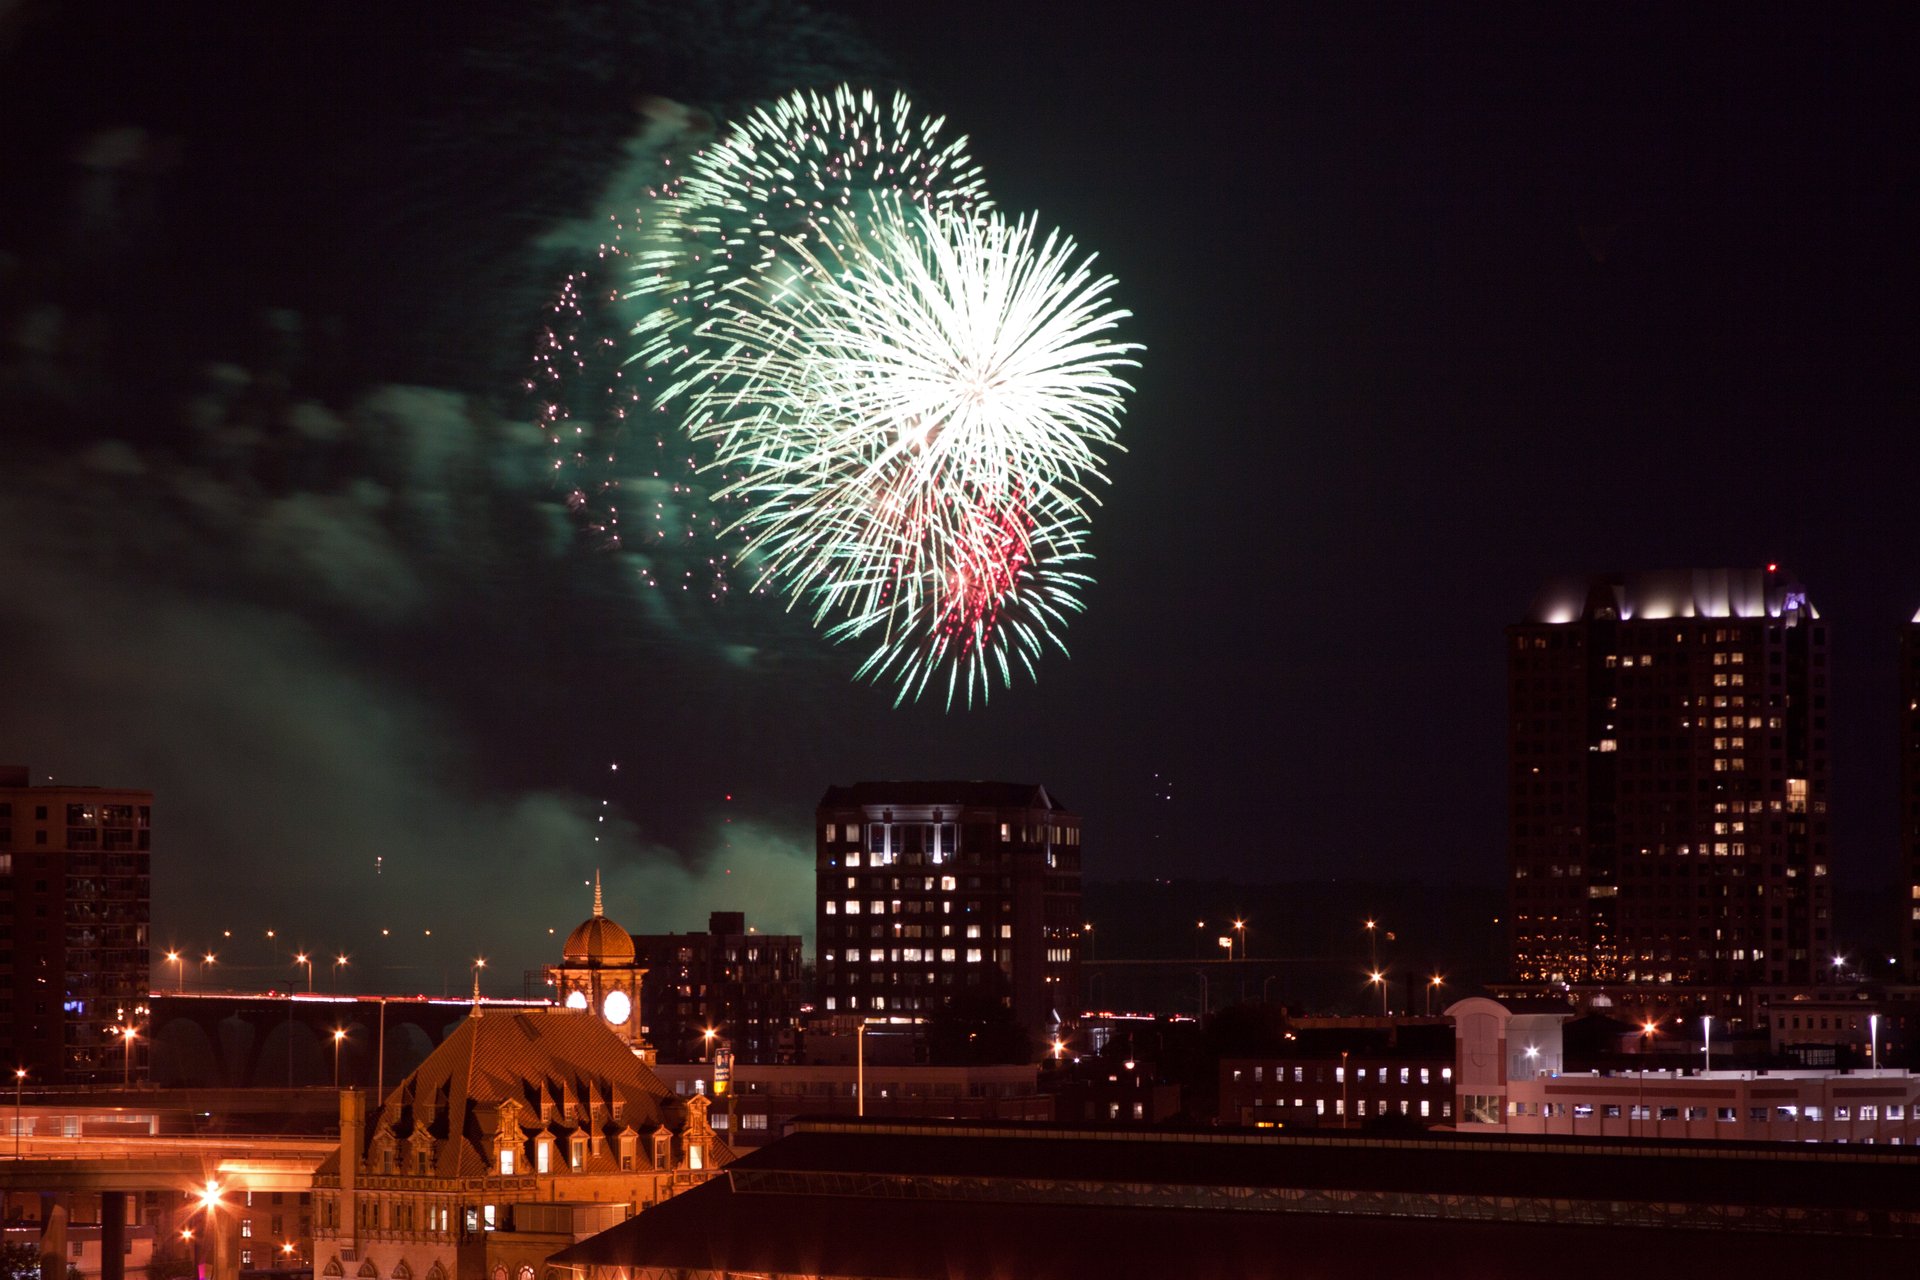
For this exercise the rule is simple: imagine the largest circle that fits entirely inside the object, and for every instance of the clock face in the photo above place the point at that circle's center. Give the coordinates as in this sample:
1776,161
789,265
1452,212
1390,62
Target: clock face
616,1007
576,999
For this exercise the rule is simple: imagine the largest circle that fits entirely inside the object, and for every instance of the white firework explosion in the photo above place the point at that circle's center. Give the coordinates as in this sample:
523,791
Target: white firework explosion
915,416
733,214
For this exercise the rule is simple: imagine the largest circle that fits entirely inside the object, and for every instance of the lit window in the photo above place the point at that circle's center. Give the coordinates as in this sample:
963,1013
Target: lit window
506,1162
543,1152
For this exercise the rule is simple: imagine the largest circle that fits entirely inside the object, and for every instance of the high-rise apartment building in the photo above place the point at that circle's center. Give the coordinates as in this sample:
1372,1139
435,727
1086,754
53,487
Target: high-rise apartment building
937,893
744,986
1668,781
75,893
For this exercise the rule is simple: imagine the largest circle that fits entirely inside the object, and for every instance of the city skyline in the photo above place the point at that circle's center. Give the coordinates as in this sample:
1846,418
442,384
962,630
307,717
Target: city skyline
1436,306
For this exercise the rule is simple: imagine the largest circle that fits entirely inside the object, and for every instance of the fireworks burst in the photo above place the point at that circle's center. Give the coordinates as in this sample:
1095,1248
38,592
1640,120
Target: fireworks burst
915,418
732,219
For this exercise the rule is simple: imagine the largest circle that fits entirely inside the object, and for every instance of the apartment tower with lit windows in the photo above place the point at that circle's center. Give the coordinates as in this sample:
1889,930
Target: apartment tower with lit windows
1668,781
936,893
75,895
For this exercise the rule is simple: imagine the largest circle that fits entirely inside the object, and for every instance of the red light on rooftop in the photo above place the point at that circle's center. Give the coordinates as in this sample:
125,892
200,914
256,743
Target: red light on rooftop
1773,568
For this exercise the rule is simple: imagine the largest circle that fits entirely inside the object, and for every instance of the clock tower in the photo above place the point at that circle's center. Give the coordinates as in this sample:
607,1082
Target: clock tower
597,974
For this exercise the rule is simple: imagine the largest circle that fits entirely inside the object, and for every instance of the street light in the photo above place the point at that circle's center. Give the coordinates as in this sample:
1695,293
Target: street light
19,1080
1240,927
206,962
339,963
1379,980
173,958
307,960
1433,984
127,1036
706,1049
1089,932
339,1034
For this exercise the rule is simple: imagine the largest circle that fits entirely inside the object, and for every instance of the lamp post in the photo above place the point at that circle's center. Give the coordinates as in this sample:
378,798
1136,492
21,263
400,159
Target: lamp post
206,963
173,958
1373,945
339,963
1200,931
127,1036
1433,984
307,960
1379,980
1089,932
19,1080
339,1034
1240,928
1648,1030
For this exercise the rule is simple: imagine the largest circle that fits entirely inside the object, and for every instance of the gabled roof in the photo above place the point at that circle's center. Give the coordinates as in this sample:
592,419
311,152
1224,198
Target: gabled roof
557,1070
973,794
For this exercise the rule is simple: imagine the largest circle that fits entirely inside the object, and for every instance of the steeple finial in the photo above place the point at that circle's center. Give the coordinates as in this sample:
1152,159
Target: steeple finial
598,910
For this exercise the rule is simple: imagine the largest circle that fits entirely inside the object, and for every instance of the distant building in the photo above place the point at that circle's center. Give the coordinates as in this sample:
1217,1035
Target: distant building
762,1100
932,894
75,894
1346,1073
746,987
1668,776
1880,1107
523,1132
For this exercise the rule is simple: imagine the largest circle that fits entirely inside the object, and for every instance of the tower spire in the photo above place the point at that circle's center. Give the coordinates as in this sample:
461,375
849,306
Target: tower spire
598,910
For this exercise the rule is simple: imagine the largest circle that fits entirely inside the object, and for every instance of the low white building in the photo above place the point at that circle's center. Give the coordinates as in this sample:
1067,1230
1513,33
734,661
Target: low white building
1509,1078
1765,1106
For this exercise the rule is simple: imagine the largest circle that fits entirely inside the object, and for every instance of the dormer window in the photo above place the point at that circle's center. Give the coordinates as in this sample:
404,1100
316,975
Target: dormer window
506,1162
579,1153
662,1151
543,1156
695,1157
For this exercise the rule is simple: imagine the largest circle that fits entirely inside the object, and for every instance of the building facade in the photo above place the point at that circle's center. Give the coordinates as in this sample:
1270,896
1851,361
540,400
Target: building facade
1346,1073
75,895
1668,781
523,1132
747,988
932,894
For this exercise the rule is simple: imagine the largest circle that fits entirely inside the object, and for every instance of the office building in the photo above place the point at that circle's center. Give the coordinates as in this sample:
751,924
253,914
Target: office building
74,903
745,987
1668,781
937,894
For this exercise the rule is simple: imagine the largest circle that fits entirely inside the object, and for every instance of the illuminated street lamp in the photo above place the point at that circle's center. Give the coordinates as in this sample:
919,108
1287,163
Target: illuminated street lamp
173,958
127,1036
339,1034
19,1080
1240,927
206,962
1433,984
307,960
706,1048
339,963
1379,980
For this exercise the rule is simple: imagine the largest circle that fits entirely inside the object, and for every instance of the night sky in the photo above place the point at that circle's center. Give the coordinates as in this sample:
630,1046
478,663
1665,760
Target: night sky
1439,303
